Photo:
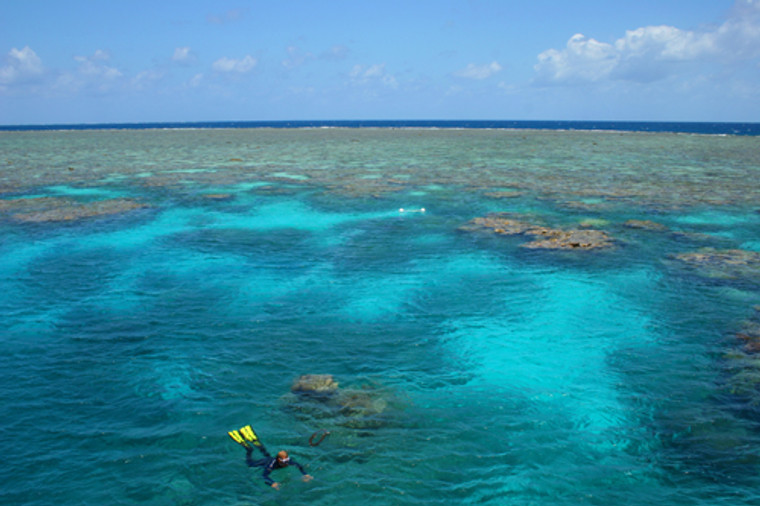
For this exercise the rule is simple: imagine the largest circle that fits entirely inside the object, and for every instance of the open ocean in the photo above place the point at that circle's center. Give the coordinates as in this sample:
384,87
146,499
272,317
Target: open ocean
574,318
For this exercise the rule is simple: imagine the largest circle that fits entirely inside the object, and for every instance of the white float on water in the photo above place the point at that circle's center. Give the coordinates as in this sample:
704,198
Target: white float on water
420,210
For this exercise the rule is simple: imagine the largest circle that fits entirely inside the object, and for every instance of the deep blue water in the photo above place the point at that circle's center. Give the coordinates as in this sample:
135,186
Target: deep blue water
709,128
472,369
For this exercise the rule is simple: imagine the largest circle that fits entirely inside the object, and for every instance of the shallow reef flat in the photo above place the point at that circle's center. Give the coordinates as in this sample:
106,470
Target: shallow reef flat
662,171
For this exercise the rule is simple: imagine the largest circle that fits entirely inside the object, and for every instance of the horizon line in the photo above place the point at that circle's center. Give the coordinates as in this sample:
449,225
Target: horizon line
372,120
634,126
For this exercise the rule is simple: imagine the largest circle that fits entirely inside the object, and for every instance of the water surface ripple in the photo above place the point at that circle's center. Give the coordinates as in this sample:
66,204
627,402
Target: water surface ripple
161,287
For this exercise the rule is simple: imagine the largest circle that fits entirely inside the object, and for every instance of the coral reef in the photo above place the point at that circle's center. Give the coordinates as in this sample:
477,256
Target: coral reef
723,264
317,396
569,239
63,210
314,384
504,194
544,237
743,361
645,225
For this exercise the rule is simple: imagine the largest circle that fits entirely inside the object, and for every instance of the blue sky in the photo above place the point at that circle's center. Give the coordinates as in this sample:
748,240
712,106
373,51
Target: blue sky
88,61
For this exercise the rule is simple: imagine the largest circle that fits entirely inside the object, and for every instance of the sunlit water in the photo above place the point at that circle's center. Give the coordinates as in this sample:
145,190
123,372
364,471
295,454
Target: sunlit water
133,341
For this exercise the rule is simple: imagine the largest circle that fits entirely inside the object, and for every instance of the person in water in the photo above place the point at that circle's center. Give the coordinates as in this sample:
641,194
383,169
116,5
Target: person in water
268,463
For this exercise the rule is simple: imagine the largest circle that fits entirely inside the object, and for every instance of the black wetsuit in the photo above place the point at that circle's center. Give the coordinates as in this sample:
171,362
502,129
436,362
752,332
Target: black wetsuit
269,463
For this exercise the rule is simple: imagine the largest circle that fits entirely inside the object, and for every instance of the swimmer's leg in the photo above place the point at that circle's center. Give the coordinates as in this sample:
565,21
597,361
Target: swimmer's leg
255,463
264,451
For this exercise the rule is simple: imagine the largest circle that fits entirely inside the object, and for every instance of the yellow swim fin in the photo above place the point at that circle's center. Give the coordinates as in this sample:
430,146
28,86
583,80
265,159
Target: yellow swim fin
250,436
235,435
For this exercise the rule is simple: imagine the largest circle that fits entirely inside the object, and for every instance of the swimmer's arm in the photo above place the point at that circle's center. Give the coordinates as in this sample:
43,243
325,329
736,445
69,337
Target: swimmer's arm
268,479
306,476
299,466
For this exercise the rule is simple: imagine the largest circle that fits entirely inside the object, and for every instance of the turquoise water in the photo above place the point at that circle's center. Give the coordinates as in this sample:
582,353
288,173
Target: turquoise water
494,374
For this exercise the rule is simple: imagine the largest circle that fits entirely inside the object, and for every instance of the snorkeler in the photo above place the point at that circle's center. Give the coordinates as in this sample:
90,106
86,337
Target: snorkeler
269,463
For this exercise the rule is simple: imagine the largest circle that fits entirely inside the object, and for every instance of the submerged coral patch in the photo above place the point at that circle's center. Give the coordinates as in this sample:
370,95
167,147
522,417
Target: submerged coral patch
32,204
545,237
645,225
569,239
504,194
725,264
315,383
73,211
218,196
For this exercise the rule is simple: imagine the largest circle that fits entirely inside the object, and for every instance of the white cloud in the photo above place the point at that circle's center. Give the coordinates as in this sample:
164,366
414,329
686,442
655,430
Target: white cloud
665,42
473,71
92,75
184,55
91,67
509,89
337,52
195,81
231,65
740,34
373,71
454,90
583,59
146,78
22,65
229,16
100,55
653,52
296,58
361,74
